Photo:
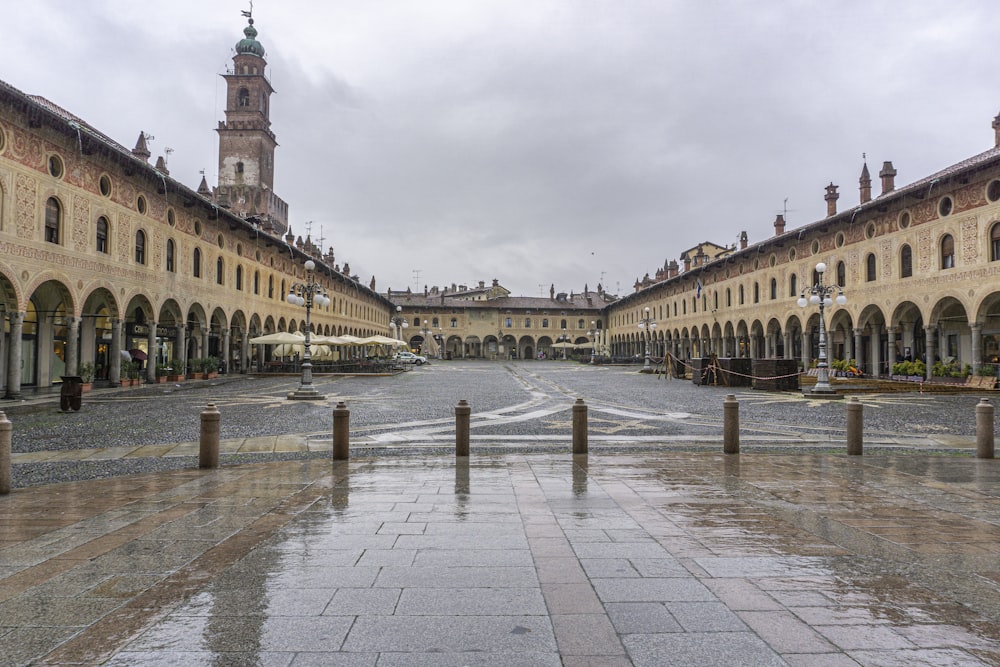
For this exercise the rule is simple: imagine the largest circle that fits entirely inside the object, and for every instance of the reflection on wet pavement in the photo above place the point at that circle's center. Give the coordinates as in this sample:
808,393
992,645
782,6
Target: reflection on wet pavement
644,559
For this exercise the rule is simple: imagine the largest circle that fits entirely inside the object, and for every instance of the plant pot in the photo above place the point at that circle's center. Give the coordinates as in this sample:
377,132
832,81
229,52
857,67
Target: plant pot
161,379
197,376
86,386
175,378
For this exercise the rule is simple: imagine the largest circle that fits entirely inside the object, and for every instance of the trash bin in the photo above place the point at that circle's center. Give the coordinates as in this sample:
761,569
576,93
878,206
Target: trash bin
71,393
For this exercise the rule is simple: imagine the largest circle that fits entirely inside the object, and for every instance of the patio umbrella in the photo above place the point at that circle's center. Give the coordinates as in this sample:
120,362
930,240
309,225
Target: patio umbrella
277,338
138,354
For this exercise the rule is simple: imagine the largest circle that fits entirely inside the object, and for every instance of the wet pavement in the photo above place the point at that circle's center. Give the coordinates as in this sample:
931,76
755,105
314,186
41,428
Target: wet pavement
656,549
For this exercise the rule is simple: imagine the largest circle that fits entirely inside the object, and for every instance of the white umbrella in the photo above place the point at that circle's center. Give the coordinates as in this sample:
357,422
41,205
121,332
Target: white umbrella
277,338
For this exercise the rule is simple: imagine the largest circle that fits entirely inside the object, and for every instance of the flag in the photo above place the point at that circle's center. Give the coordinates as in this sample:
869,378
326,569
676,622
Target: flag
698,283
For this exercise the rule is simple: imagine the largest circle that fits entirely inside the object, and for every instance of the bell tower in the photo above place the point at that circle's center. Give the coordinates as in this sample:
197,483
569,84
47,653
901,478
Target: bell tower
246,142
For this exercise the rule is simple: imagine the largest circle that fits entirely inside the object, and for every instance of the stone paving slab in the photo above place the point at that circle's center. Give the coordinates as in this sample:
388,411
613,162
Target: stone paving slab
692,558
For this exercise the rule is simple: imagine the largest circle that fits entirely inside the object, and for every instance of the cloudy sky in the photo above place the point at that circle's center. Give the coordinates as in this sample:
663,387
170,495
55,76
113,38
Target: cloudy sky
534,141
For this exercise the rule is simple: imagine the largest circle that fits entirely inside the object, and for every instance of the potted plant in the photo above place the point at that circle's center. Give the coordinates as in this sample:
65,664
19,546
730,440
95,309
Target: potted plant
176,371
197,369
211,367
125,378
86,371
162,371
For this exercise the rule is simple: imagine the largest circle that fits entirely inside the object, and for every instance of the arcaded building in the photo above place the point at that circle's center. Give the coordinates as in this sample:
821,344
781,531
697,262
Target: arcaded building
105,257
919,266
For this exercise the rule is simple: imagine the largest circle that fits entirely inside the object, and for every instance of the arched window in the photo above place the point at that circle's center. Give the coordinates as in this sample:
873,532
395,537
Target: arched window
793,285
684,307
729,298
694,304
527,323
947,251
239,277
905,262
774,289
256,282
434,322
140,247
742,296
53,220
756,292
715,300
101,240
243,99
196,263
545,323
270,287
995,242
170,255
508,322
416,322
841,274
454,323
220,271
580,324
562,324
870,268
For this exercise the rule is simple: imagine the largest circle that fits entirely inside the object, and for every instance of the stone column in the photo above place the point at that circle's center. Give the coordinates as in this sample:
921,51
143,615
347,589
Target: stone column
788,345
204,341
806,348
151,352
931,350
180,350
115,362
14,356
858,344
226,354
72,345
891,334
875,332
976,329
244,351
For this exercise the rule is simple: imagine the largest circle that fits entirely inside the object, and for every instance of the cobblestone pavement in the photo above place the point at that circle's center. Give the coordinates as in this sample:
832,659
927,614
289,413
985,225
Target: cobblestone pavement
656,549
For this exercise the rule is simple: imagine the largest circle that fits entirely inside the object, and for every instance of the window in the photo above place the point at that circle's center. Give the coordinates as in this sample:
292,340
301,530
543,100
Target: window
270,287
55,166
995,242
545,322
870,268
905,262
416,322
508,322
101,241
140,204
434,322
944,207
562,324
454,323
196,263
53,220
580,324
243,98
256,282
742,298
170,255
947,251
527,323
793,285
729,298
756,292
104,183
239,277
220,271
841,274
140,247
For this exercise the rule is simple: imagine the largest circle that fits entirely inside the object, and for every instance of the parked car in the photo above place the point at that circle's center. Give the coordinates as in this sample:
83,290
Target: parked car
410,358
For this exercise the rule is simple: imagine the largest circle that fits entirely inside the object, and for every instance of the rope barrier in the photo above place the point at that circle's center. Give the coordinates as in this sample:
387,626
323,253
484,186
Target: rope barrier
714,369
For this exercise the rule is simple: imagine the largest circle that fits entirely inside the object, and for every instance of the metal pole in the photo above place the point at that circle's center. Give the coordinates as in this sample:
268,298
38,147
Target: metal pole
208,444
341,432
855,427
731,425
579,427
462,412
984,429
5,437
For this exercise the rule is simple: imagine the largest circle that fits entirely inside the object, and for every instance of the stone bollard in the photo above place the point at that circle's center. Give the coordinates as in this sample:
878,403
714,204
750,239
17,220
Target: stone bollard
984,429
208,444
580,427
5,435
731,425
462,412
855,427
341,432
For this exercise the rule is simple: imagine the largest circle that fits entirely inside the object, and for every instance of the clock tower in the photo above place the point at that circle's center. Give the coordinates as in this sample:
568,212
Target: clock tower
246,142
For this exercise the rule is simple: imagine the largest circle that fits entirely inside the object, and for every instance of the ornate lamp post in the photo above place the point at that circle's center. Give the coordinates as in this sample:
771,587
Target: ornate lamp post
439,337
821,294
593,340
564,339
427,334
307,294
646,325
399,322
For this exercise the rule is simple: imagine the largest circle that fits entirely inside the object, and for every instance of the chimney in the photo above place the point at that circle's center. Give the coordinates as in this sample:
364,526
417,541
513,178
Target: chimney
672,269
743,240
687,263
996,131
699,258
141,150
831,198
779,225
888,175
865,184
161,166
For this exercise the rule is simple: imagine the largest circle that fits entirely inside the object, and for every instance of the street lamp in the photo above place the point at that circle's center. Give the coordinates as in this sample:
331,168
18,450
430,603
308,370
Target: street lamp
307,294
593,341
646,325
399,322
564,339
440,340
427,334
820,294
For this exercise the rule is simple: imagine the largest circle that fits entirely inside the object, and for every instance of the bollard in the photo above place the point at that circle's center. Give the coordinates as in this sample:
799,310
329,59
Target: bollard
984,429
855,427
341,432
462,412
208,444
579,427
5,435
731,425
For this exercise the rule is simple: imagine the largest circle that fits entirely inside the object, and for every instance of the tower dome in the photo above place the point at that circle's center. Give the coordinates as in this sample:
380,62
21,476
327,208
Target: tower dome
249,43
